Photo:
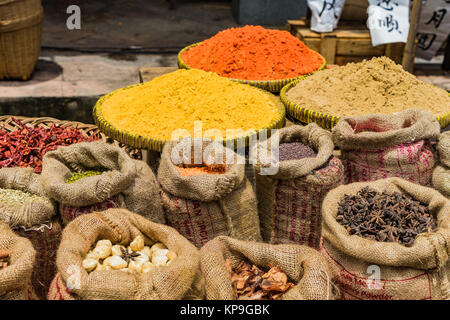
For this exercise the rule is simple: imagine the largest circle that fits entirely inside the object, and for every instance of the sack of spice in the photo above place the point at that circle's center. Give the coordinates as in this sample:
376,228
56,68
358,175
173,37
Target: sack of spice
441,174
17,258
387,239
305,268
210,198
25,207
383,146
179,280
289,201
95,176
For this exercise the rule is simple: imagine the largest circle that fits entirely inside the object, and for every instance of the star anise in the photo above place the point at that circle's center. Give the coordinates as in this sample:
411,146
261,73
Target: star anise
128,256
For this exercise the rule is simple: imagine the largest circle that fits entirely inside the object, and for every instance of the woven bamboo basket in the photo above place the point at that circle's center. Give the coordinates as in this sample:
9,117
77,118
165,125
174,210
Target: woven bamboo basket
270,85
324,120
20,37
154,144
7,123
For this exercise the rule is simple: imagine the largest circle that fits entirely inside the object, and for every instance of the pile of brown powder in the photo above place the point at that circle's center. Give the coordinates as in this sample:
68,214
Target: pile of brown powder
375,86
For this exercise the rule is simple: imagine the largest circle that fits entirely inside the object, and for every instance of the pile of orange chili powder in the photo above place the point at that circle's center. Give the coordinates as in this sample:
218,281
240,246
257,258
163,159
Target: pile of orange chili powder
253,53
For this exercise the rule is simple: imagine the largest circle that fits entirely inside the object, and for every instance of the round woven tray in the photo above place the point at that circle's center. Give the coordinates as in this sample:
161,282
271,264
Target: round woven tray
149,143
7,123
269,85
324,120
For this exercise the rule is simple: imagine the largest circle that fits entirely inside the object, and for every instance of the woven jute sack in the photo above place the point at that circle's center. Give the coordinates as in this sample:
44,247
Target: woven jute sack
35,220
127,183
289,201
180,280
441,174
304,266
383,146
368,269
204,206
16,277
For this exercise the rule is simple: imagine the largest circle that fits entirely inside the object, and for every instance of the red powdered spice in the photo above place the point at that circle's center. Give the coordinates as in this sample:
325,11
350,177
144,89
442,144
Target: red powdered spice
194,170
253,53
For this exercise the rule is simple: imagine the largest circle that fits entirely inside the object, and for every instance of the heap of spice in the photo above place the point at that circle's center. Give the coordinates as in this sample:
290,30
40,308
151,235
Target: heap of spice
191,170
295,151
253,53
80,175
252,283
26,146
9,196
4,258
386,217
137,257
173,103
374,86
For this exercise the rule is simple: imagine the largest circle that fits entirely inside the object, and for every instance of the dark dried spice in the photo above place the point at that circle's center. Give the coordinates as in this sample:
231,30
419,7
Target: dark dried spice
128,256
252,283
384,217
26,146
294,151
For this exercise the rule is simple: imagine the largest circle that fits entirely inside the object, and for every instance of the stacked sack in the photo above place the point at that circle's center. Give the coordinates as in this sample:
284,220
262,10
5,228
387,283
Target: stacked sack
441,174
204,206
34,218
381,146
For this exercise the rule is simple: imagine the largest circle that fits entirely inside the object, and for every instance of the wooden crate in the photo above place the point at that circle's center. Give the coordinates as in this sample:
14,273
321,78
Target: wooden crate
350,42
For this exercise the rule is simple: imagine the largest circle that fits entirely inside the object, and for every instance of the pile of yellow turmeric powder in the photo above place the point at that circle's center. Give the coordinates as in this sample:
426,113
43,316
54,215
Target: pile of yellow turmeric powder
160,108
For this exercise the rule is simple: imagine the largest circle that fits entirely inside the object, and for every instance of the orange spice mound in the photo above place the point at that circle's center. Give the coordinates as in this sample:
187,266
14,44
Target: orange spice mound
190,171
253,53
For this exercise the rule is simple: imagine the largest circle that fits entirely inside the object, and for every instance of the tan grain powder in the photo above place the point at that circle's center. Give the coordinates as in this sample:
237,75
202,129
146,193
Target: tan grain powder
375,86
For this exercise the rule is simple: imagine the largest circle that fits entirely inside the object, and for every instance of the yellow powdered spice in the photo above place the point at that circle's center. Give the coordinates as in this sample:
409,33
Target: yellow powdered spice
175,100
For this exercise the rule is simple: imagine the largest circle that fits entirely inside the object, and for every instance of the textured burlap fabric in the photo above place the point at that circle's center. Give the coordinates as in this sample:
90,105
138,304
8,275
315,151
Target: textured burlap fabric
304,266
441,174
126,183
417,272
15,278
382,146
289,201
30,213
204,206
180,280
35,220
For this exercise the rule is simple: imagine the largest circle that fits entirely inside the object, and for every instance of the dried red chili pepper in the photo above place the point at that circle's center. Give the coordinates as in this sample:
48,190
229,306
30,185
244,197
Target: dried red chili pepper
26,146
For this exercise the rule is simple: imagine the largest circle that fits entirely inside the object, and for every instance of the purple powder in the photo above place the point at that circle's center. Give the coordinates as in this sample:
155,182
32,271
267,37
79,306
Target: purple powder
295,151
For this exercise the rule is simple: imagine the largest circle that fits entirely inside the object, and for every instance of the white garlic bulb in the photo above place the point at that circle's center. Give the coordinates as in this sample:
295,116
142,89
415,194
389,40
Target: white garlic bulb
135,266
147,251
115,262
116,250
89,264
159,260
160,252
92,255
106,243
158,246
171,255
103,252
137,244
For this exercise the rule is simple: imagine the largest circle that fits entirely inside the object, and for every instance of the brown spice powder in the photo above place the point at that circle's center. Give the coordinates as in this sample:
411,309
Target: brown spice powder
375,86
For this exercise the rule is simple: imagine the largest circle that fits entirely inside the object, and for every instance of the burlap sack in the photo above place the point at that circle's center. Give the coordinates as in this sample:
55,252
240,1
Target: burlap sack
418,272
15,278
36,221
180,280
127,183
441,174
289,202
304,266
382,146
204,206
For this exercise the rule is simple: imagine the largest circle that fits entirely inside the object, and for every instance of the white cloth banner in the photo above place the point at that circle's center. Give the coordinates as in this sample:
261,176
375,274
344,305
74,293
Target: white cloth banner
325,14
434,27
388,21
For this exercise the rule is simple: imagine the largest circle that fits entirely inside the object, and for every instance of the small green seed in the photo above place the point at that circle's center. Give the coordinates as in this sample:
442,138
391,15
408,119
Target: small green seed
77,176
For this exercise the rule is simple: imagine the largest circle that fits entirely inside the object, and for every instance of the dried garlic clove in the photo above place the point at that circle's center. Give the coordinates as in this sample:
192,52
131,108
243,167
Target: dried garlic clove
103,252
115,262
116,250
89,264
157,246
171,255
135,266
160,252
101,267
159,260
147,267
142,257
92,255
137,244
106,243
147,251
125,270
